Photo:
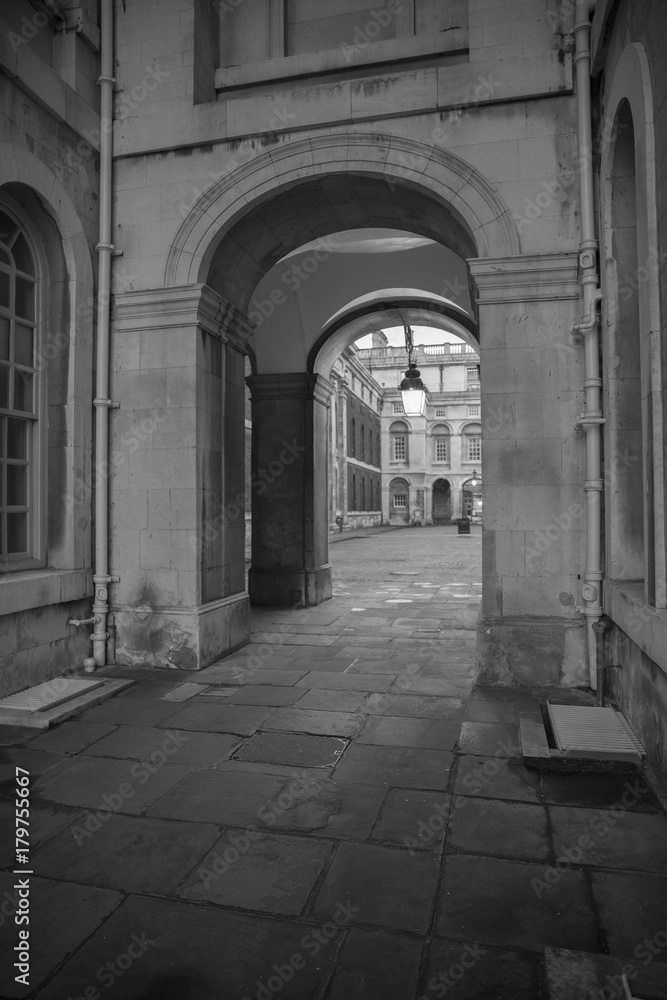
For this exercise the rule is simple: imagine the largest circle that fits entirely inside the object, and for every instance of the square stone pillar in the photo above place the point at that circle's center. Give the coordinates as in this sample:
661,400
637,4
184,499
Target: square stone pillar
290,463
177,493
533,461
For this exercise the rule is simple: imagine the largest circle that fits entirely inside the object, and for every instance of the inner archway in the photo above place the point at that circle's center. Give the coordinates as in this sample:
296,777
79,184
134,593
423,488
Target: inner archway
249,224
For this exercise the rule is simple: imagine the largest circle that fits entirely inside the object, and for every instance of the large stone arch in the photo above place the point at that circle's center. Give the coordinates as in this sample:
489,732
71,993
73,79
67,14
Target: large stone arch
479,224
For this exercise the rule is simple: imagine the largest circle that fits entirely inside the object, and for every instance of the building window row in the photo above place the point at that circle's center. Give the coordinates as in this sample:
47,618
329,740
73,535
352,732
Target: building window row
365,446
363,493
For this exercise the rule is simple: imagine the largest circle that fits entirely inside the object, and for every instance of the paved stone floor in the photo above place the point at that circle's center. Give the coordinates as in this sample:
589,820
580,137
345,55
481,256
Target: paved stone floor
334,812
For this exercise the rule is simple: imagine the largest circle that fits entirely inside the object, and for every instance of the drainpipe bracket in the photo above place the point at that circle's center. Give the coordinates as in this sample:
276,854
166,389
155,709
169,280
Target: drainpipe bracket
104,246
590,610
106,402
588,261
588,420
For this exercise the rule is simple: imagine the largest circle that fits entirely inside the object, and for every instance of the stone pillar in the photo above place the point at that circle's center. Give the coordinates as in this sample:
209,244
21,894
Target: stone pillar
531,631
343,390
290,537
177,492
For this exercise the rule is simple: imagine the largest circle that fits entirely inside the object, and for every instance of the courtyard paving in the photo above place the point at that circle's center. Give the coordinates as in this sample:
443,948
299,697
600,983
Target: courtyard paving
334,812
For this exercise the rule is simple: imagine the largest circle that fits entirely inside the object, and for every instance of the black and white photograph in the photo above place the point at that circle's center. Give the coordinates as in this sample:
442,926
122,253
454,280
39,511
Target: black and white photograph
333,517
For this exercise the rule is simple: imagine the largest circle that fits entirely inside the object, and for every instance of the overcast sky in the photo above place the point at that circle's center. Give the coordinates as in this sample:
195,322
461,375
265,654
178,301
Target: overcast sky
421,335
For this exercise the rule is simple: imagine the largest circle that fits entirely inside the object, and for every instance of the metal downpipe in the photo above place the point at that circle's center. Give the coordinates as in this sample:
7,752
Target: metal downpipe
101,578
591,420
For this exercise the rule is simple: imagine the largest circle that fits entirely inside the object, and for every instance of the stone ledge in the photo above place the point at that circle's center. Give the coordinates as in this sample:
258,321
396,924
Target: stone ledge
345,57
644,625
37,588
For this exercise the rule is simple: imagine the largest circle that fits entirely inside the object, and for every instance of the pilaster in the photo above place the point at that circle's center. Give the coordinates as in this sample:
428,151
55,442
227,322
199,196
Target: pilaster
177,491
290,554
533,470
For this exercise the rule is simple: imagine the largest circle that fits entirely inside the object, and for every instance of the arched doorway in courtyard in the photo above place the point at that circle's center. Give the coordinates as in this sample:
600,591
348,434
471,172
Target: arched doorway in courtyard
232,244
442,501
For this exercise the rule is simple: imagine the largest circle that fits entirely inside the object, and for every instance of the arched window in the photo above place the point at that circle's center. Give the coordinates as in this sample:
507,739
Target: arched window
351,444
352,501
441,452
19,398
362,442
370,447
399,492
398,437
363,493
630,515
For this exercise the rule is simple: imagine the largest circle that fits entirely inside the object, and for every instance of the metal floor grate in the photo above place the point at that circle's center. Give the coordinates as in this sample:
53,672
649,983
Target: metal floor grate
599,733
49,694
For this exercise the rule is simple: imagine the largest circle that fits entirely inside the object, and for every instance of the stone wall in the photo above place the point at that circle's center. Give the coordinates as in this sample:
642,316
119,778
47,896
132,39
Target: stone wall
49,136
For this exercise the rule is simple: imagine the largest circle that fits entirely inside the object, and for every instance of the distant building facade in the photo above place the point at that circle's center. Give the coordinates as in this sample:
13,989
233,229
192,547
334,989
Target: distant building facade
431,465
355,475
388,468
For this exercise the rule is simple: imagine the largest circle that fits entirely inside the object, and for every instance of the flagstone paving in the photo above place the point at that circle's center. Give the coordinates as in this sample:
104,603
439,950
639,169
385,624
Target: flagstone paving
333,812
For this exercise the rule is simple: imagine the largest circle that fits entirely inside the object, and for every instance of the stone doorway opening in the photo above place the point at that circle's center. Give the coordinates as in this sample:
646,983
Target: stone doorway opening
442,501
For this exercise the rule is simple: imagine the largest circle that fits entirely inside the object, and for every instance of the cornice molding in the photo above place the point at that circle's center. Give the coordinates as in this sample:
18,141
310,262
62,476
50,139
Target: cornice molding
526,278
182,306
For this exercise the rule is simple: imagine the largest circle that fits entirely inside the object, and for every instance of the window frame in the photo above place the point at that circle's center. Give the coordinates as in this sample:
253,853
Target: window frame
278,64
476,440
439,440
396,439
35,558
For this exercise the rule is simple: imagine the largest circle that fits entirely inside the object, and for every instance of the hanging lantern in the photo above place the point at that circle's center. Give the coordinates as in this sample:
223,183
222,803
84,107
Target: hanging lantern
413,390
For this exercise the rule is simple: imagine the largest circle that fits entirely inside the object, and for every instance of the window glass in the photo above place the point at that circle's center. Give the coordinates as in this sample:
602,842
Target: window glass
22,256
4,289
25,298
23,344
400,448
17,533
474,449
4,338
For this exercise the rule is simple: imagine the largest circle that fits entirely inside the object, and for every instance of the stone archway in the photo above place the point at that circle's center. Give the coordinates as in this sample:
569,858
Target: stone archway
470,217
239,230
286,198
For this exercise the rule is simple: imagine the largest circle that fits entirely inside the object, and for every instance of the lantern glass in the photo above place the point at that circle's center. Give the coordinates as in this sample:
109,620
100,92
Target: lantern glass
414,401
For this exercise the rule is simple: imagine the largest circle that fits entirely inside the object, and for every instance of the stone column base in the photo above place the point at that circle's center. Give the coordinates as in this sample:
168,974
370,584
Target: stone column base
532,652
289,588
181,638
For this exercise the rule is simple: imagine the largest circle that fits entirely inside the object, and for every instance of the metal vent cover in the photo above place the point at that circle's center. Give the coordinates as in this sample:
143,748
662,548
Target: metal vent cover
597,733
